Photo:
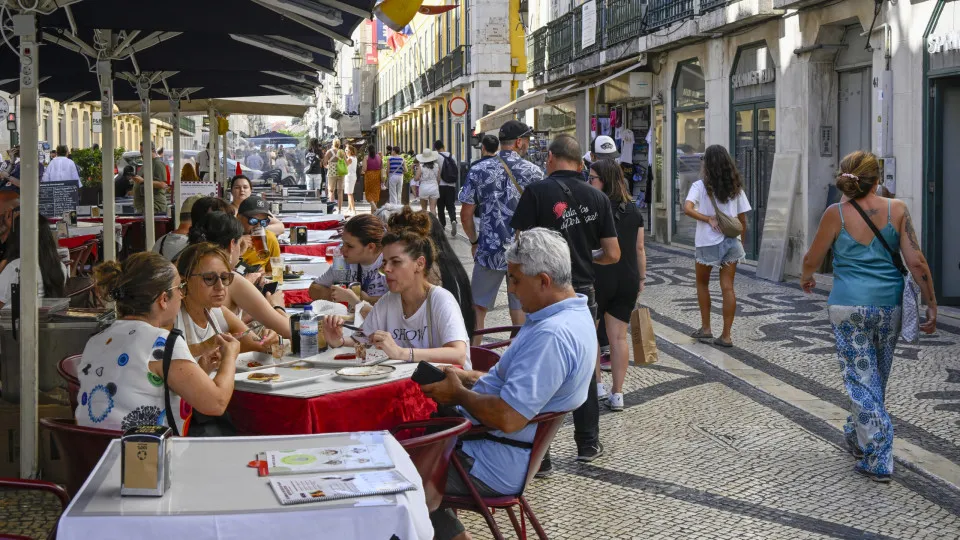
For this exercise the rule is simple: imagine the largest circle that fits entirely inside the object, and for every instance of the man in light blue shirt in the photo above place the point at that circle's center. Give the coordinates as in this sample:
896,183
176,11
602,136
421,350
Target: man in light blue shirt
548,368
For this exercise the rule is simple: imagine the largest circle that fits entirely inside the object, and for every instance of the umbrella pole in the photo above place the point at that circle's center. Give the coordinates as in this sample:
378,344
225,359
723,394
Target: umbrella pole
226,173
143,88
105,75
175,118
214,141
29,252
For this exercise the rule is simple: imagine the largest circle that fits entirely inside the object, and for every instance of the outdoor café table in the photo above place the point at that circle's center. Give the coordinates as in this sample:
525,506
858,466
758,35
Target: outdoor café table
308,264
314,222
82,233
318,241
214,494
296,291
330,404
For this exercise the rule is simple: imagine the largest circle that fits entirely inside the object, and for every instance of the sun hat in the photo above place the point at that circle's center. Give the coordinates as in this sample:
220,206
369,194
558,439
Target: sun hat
427,156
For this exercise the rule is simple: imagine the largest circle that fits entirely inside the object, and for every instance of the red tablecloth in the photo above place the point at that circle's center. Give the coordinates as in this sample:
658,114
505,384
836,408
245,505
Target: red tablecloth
301,296
314,225
77,241
365,409
122,219
315,250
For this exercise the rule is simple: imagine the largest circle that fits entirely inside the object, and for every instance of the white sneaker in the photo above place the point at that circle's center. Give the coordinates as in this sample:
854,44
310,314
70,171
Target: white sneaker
602,393
615,402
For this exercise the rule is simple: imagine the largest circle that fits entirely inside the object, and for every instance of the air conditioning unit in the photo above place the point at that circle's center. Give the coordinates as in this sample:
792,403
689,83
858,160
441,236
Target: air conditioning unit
514,62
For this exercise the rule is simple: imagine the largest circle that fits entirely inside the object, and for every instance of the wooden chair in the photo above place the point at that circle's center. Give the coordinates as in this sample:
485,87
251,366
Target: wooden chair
81,448
67,369
547,426
497,330
431,451
35,485
483,359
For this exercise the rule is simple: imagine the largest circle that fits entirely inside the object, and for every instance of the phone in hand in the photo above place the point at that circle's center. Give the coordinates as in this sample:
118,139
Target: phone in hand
270,288
245,268
427,373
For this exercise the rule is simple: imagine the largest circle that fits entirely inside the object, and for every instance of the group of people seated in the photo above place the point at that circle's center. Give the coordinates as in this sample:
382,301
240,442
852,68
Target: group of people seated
417,305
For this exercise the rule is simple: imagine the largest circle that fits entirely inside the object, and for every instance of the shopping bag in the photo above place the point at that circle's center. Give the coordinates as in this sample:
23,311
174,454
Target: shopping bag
644,340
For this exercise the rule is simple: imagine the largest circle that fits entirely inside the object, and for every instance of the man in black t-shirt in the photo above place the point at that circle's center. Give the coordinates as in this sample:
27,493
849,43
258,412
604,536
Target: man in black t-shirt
564,202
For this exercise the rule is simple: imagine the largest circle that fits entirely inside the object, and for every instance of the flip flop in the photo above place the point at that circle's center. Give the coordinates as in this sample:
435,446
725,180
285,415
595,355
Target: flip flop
701,335
721,343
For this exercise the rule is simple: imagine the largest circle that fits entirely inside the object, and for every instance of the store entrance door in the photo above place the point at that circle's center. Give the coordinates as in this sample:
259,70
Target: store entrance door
755,143
945,196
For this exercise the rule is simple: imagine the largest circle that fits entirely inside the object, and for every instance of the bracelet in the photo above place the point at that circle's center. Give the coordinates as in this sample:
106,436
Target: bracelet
411,355
281,309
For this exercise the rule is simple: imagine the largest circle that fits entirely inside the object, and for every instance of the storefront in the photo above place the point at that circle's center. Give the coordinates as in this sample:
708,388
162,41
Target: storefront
942,133
753,89
689,142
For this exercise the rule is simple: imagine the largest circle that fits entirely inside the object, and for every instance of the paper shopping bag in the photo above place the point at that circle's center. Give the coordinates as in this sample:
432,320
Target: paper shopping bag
644,340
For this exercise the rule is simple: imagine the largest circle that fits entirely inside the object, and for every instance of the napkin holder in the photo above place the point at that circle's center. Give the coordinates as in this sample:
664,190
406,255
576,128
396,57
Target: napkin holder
300,235
145,461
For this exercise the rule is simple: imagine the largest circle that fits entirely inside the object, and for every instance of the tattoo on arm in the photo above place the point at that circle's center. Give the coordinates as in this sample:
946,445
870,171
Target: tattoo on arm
911,234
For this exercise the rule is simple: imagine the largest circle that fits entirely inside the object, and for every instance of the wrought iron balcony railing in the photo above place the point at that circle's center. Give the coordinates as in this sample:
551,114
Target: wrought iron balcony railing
622,20
660,13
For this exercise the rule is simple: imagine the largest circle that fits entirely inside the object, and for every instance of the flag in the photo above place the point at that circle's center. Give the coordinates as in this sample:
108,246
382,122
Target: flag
239,170
396,40
436,10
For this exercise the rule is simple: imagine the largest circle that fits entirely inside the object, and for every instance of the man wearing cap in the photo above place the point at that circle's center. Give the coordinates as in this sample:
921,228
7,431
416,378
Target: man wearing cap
171,244
602,147
160,199
254,214
492,189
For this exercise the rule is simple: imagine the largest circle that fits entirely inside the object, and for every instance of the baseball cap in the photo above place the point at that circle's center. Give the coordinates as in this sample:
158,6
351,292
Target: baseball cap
604,147
254,205
187,205
514,130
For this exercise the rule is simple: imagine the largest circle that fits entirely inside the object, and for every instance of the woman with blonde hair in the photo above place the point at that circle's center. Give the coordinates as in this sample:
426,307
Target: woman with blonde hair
869,234
188,173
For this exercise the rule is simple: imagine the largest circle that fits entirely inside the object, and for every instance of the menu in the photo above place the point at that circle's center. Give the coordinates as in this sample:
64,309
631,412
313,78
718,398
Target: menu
332,488
58,197
333,459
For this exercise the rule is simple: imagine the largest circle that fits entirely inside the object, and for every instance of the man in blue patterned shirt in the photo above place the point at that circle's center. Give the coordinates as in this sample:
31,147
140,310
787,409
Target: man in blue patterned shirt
492,189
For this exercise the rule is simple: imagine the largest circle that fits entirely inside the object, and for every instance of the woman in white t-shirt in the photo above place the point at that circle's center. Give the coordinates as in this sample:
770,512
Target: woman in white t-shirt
121,370
721,184
53,274
362,251
415,320
205,269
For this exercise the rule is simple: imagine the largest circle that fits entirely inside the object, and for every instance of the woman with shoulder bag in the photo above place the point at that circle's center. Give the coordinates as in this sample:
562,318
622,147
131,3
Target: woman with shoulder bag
867,303
720,206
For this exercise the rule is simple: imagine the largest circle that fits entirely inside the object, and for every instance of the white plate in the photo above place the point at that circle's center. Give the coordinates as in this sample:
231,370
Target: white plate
265,360
327,358
288,377
365,373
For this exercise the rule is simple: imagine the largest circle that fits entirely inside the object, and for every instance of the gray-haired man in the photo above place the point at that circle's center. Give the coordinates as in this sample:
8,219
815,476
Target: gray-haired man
547,368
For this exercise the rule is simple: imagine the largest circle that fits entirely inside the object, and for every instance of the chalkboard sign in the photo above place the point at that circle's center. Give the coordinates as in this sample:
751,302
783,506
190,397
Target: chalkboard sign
58,197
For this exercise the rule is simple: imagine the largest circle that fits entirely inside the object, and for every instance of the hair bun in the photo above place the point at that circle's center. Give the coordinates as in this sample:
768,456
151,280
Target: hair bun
408,219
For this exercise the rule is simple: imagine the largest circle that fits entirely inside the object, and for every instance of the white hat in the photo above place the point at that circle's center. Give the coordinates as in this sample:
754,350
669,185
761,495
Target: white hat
604,147
427,156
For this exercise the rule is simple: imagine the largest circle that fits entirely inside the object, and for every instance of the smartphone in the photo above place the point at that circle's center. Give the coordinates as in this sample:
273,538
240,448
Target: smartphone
427,373
245,268
270,288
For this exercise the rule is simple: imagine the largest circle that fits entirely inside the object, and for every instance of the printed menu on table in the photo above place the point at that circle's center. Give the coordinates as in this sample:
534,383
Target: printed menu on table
333,459
321,488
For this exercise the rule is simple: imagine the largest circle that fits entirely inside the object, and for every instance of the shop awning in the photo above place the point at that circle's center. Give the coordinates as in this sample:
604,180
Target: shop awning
569,90
509,111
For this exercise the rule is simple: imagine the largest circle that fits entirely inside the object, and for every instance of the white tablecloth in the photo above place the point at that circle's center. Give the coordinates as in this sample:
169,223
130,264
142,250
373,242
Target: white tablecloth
313,266
214,495
309,218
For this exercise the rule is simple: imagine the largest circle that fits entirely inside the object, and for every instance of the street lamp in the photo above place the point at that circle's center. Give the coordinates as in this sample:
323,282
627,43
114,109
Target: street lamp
329,103
357,59
337,89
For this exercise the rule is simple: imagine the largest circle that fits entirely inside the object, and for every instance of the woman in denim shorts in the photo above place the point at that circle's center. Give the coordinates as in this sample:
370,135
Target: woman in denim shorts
721,182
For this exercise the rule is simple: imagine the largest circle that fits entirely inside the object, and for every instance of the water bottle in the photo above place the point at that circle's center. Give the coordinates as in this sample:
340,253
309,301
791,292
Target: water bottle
309,330
340,271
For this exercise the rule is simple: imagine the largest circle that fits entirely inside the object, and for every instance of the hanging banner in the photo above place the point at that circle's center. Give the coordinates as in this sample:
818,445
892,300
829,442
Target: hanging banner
97,122
373,55
589,25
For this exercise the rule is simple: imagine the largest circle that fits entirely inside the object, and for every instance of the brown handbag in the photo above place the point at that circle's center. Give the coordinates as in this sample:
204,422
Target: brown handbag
729,226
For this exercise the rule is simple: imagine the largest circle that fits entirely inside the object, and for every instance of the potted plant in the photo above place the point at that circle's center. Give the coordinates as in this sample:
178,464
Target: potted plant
90,163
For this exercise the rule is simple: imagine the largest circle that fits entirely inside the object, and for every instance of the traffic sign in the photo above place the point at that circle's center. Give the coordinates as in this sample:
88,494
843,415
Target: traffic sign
457,106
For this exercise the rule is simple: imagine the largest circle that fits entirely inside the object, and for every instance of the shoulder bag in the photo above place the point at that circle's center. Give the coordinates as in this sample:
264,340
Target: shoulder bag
167,360
910,303
510,175
729,226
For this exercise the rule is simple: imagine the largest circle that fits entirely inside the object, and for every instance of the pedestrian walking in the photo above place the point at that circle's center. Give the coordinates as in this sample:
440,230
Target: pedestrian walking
449,176
428,180
717,195
619,285
866,232
314,166
330,164
61,168
489,197
372,169
350,182
397,167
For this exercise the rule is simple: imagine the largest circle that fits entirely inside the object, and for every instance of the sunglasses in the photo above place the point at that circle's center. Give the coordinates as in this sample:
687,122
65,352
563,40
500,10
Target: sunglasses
210,279
262,222
181,287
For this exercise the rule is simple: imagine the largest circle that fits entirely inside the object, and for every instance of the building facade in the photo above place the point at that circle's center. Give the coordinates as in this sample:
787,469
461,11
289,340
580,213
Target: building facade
474,52
788,86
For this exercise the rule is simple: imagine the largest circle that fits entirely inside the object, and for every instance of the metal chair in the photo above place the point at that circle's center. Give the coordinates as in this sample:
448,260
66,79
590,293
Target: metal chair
483,359
67,369
35,485
547,426
431,451
81,448
497,330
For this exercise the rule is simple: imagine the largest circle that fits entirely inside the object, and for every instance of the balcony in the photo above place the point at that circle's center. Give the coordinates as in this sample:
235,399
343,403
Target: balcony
537,52
623,20
560,42
579,51
457,62
661,13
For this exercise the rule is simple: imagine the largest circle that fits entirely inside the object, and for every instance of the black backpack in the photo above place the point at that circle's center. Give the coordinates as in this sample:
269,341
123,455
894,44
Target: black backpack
449,172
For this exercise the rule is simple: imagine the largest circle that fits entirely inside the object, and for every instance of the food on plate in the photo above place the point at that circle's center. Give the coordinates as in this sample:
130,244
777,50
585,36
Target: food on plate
263,377
254,363
345,356
361,351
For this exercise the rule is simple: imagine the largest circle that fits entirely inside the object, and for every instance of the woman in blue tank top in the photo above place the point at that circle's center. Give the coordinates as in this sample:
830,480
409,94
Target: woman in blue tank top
865,302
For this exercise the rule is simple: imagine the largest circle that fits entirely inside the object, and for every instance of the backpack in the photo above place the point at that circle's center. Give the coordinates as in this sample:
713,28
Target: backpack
342,167
448,171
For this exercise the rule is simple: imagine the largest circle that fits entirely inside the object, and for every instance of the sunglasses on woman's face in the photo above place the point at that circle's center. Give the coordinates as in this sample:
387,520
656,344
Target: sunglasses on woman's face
210,279
262,222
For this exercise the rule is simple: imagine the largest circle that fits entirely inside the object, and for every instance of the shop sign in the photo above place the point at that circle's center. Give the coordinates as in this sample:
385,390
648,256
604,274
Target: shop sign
752,78
942,43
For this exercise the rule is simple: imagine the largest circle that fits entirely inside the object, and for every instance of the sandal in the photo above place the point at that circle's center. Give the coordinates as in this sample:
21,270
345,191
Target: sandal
721,343
701,335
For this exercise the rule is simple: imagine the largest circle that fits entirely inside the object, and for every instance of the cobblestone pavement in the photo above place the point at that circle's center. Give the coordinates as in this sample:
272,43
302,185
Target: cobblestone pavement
700,453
